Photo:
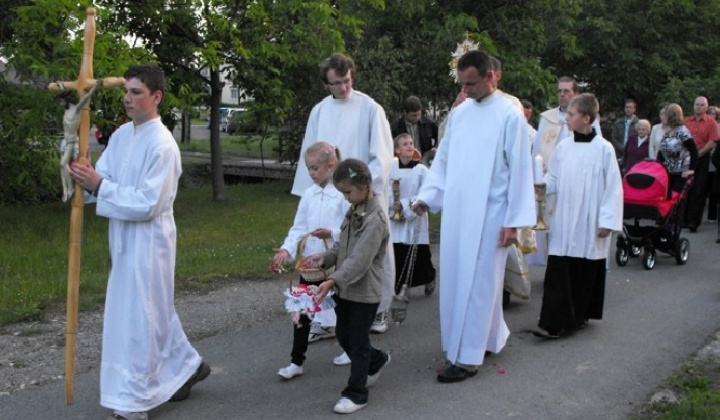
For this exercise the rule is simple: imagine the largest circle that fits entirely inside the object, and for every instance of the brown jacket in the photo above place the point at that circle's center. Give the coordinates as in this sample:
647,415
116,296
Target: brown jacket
358,255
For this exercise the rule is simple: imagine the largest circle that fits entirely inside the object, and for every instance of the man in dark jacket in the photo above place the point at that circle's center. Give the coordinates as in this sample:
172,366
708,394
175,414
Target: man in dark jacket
423,130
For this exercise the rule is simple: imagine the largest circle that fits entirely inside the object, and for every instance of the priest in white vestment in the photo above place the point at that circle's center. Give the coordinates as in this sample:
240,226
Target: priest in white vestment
146,357
358,126
481,179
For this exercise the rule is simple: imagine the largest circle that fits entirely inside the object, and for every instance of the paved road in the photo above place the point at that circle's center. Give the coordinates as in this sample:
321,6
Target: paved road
198,132
654,320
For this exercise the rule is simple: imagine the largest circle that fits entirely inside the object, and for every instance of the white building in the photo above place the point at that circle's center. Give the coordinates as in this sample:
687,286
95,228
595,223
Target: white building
231,95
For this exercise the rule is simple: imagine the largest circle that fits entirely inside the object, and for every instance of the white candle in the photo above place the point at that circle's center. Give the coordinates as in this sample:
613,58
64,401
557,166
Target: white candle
538,170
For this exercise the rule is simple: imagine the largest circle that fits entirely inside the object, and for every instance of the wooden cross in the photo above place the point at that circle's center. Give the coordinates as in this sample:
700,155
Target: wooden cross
83,83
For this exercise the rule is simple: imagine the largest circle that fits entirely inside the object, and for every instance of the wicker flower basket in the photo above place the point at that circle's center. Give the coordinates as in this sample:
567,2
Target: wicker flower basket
313,274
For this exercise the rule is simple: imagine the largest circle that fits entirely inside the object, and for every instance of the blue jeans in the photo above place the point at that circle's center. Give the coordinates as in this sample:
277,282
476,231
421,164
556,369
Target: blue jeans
354,320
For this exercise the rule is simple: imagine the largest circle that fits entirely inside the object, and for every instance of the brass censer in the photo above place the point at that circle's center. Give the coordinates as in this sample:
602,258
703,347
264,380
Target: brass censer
540,199
398,215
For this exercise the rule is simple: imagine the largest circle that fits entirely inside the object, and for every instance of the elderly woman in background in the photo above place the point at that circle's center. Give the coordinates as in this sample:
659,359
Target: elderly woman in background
677,150
637,146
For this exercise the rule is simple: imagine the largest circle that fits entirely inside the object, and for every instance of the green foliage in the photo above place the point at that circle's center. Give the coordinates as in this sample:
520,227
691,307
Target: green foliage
684,91
48,45
29,146
636,48
406,48
652,50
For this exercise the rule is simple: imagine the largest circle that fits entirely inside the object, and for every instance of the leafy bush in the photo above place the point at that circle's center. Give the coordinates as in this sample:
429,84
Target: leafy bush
29,140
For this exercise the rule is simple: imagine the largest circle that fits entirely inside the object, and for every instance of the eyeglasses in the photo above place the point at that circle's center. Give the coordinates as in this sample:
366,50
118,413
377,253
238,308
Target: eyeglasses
339,83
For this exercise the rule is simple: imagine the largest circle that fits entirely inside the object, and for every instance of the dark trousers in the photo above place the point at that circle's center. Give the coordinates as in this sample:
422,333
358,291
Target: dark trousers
301,333
354,320
712,195
696,200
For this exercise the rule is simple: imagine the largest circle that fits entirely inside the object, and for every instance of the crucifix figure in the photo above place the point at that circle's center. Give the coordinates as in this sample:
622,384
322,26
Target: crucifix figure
84,82
69,149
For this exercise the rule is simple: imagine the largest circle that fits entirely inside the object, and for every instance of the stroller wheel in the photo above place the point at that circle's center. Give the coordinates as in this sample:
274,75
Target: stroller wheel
682,251
635,250
621,256
649,259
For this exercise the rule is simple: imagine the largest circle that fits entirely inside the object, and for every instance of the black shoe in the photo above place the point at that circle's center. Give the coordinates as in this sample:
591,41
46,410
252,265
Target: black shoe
430,288
693,229
455,373
202,372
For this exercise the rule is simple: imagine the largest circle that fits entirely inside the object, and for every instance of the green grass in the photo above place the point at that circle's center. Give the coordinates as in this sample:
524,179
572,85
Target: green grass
215,241
697,384
698,398
697,405
240,145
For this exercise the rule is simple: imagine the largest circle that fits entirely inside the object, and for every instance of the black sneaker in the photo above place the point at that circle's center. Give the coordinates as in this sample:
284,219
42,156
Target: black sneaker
202,372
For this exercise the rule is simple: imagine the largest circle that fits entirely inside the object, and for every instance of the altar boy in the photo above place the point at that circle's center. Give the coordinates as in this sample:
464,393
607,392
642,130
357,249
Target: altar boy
584,174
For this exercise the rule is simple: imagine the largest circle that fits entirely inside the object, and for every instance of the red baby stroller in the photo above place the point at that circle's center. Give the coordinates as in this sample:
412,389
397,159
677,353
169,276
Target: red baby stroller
656,215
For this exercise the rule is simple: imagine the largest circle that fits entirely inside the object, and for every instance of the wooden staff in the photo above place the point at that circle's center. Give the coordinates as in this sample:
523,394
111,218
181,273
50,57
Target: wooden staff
84,82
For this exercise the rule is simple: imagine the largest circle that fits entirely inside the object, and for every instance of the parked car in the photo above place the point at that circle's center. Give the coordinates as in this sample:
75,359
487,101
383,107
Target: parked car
223,117
242,121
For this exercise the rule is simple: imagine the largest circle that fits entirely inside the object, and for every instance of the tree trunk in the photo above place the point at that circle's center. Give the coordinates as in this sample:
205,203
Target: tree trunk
216,166
186,128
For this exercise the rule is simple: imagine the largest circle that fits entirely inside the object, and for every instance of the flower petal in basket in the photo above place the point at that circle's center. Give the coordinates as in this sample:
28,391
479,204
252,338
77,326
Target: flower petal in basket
311,273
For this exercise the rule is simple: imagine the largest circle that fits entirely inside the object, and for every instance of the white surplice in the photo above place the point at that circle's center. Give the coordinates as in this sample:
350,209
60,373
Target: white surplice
482,180
146,356
552,129
413,229
357,125
586,180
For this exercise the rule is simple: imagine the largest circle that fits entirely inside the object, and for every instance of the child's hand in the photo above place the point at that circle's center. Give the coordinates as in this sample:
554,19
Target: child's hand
419,207
313,261
321,233
603,233
323,290
687,174
281,255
